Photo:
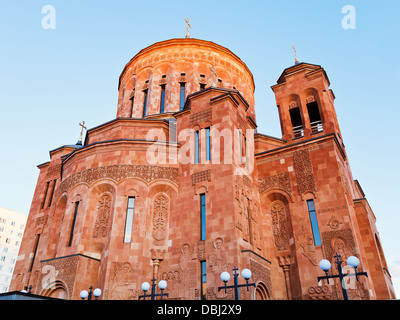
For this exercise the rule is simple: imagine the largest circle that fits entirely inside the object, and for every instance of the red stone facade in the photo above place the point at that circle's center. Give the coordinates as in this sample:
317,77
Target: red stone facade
255,189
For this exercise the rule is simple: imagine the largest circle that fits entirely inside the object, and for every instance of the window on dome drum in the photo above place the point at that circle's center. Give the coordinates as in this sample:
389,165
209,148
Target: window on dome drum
132,104
202,85
203,217
129,219
145,92
45,194
182,95
314,222
203,279
315,117
297,124
162,103
71,235
196,147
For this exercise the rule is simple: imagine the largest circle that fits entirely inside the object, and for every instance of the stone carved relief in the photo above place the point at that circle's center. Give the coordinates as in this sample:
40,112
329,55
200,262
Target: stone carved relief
103,216
342,242
279,225
201,250
310,99
304,241
174,281
188,266
261,273
218,262
304,171
160,218
318,293
65,271
334,223
119,173
279,181
40,223
122,279
243,199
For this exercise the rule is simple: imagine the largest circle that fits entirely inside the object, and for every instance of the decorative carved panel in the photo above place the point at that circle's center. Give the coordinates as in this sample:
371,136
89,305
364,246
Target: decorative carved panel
201,176
122,281
279,181
103,216
160,218
119,173
201,116
304,171
279,225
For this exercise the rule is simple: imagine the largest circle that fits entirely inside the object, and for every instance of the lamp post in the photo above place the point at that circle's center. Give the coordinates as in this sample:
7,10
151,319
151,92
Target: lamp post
146,286
352,261
246,274
96,293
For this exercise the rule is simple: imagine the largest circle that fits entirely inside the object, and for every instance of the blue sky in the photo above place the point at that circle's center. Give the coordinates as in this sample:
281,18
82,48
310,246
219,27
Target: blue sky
50,80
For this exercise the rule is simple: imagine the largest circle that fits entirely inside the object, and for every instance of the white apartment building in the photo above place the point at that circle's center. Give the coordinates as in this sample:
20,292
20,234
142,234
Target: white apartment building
12,226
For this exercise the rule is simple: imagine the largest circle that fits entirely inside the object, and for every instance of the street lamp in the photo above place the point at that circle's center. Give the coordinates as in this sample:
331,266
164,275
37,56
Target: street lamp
246,274
96,293
352,261
146,286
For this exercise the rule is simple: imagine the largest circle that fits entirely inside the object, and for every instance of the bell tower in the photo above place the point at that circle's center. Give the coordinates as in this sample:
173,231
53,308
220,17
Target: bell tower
305,102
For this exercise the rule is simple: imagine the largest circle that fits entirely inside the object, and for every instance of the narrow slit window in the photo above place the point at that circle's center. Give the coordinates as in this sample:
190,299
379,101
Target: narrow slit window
145,92
132,104
314,222
182,95
45,194
203,279
162,103
52,193
34,252
203,217
208,144
202,84
129,219
71,235
196,147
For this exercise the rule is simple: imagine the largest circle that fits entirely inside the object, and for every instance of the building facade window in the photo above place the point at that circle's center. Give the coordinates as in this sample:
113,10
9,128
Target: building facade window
34,252
129,220
145,92
203,280
45,194
162,103
52,193
132,104
203,217
208,144
71,235
182,95
314,222
196,147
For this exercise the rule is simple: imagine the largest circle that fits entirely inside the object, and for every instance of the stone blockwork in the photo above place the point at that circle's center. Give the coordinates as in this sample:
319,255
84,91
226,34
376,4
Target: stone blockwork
188,193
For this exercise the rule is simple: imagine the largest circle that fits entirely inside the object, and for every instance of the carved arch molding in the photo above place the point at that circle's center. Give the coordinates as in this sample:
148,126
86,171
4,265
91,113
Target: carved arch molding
118,173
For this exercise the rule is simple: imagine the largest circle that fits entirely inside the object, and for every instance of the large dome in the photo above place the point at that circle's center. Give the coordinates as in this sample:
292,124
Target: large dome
151,82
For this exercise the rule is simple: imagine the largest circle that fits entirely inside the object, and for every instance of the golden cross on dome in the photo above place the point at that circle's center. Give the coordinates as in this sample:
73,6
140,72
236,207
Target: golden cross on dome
295,56
83,127
187,27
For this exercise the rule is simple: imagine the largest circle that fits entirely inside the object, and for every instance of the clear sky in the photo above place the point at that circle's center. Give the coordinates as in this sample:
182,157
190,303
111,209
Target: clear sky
52,79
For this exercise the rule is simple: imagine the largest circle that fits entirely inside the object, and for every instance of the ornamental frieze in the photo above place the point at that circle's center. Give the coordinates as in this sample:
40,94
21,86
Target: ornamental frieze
119,173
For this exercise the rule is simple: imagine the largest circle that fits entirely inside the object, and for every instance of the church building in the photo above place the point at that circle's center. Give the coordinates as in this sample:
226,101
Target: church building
181,187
